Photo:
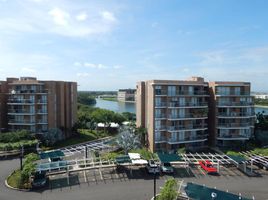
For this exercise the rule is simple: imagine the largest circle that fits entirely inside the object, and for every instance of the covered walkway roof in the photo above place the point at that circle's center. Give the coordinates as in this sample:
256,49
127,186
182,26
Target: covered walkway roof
51,166
51,154
166,158
199,192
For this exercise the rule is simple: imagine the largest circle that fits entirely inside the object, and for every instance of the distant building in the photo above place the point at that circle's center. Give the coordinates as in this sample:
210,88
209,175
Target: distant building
261,96
126,95
194,113
37,106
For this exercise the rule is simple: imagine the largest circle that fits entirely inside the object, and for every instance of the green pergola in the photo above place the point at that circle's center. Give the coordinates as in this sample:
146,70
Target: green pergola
51,154
122,159
167,158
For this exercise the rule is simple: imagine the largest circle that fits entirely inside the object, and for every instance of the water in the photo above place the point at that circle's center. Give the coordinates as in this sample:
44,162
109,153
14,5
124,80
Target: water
116,106
261,109
131,107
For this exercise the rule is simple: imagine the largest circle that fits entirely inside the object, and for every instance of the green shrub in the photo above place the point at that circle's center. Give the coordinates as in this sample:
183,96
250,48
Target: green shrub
169,191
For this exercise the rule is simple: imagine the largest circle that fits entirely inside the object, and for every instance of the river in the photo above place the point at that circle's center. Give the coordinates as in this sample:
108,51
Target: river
131,107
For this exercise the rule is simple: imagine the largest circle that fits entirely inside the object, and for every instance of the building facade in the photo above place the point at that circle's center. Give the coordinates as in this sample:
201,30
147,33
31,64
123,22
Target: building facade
126,95
194,113
175,113
37,106
232,114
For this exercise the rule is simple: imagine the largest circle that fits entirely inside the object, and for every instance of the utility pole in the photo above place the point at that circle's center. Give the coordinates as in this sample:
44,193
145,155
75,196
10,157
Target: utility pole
154,183
21,156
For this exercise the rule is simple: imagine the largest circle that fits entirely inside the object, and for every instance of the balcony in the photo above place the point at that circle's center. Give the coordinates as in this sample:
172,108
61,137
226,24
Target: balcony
42,121
235,104
200,138
187,104
160,105
41,112
20,101
26,91
235,114
160,140
187,116
41,101
185,128
234,125
190,93
21,122
20,112
160,116
232,93
160,92
161,128
232,137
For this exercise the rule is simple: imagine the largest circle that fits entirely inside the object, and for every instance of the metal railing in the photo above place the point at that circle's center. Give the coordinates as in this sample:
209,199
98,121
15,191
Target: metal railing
20,101
235,124
22,121
177,104
187,139
189,127
235,114
187,116
235,104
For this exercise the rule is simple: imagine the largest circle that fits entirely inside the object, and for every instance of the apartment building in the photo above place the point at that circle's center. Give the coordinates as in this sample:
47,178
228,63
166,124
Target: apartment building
232,114
37,106
194,113
126,95
175,113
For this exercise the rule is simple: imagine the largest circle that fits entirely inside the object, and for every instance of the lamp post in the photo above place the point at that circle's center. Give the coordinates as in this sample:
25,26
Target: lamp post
21,156
155,183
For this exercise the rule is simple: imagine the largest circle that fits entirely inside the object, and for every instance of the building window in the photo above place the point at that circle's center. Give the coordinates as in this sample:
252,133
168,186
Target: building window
171,90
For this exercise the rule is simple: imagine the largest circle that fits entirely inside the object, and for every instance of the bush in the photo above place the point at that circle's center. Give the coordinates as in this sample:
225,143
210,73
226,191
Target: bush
16,136
169,191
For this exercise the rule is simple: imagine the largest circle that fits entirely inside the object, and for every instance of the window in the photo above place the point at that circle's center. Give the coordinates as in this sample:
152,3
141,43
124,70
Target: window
223,90
158,90
237,90
171,90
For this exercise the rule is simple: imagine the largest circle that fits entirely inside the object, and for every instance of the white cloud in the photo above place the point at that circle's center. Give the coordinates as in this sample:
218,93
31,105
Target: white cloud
97,66
81,16
117,66
108,16
60,17
82,74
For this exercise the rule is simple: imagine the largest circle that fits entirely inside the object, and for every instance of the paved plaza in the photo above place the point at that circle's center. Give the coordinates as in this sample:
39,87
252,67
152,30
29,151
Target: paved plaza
120,184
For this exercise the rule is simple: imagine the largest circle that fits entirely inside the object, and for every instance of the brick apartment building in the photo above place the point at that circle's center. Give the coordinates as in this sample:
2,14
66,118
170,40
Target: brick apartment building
37,106
193,113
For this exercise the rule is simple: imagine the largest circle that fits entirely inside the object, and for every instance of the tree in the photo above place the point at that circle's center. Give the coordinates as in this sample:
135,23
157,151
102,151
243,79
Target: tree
52,136
142,133
86,99
169,191
129,116
128,140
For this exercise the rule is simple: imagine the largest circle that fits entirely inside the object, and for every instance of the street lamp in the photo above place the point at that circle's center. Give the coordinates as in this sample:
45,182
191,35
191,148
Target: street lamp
155,170
21,156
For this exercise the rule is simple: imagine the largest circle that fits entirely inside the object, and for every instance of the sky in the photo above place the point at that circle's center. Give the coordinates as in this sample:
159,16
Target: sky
112,44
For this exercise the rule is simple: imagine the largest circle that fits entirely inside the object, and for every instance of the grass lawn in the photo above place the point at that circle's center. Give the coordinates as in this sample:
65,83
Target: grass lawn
84,135
14,179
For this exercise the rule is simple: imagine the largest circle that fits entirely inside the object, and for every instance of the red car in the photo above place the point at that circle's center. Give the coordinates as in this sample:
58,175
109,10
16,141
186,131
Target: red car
207,166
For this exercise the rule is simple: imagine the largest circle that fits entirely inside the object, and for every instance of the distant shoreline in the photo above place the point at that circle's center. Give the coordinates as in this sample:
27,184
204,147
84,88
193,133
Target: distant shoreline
260,106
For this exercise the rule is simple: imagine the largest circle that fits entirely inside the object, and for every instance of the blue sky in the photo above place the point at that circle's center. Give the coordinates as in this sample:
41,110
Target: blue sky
106,45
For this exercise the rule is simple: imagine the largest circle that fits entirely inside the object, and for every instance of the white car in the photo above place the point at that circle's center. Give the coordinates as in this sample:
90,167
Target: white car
152,167
167,168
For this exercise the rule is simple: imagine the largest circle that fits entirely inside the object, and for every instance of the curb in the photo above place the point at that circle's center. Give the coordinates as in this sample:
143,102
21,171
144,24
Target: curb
12,188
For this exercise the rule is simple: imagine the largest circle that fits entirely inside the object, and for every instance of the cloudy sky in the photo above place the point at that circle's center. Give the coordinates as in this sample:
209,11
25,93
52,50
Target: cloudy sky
106,45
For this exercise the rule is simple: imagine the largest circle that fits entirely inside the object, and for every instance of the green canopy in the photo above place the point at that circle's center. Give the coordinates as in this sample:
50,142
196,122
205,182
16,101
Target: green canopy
51,154
238,159
199,192
166,158
122,159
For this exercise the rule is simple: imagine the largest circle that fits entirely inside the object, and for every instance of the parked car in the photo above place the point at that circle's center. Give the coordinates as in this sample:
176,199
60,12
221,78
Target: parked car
207,166
152,167
261,164
39,179
166,168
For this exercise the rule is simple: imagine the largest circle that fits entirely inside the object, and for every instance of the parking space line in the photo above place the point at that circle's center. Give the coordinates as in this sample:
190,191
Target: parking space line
85,176
101,174
201,171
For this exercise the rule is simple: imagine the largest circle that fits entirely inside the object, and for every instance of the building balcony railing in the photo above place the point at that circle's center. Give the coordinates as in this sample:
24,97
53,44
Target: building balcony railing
162,104
28,91
200,92
189,127
160,140
41,101
160,128
20,111
229,125
25,122
187,104
187,139
160,116
236,114
42,121
41,111
232,137
233,93
21,101
235,104
187,116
